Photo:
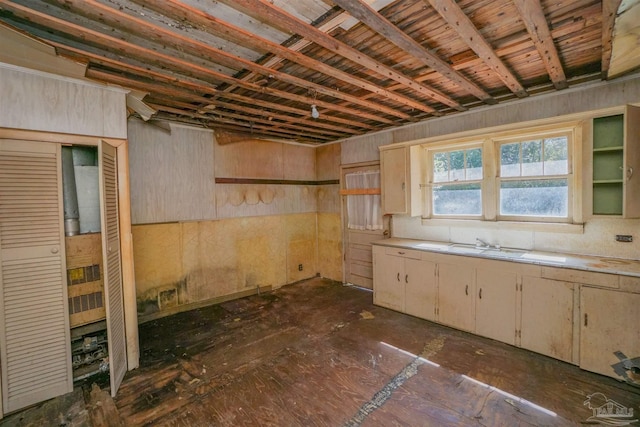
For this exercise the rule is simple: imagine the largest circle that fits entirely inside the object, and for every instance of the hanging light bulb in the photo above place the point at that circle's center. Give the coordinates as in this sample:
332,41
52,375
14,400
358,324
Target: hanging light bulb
314,112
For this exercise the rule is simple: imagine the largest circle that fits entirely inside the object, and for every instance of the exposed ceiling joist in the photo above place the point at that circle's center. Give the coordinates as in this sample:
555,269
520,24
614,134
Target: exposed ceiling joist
255,67
179,11
383,26
537,26
451,12
282,19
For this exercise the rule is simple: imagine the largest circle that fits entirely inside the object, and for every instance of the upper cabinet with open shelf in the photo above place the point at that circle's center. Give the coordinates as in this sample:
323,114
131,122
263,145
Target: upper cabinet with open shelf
616,156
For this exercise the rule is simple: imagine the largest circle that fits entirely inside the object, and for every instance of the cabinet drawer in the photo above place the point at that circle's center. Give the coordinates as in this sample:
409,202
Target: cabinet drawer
603,280
630,284
406,253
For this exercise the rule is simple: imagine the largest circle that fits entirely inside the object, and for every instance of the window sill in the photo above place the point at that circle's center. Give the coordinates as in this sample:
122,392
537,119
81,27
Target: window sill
548,227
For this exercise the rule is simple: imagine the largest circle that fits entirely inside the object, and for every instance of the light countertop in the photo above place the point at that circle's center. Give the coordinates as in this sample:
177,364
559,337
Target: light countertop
625,267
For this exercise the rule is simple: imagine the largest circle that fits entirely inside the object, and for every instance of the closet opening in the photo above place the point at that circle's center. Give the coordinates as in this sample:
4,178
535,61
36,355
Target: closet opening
84,259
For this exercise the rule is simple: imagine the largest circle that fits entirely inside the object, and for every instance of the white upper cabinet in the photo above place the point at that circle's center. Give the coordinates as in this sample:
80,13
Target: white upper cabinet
400,178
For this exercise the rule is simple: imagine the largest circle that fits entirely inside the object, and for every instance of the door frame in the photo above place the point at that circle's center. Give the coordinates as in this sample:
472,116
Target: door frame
124,217
345,169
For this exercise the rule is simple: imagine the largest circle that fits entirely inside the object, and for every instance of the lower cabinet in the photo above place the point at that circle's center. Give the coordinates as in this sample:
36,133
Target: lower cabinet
496,304
395,271
580,317
547,317
456,296
388,288
421,290
609,323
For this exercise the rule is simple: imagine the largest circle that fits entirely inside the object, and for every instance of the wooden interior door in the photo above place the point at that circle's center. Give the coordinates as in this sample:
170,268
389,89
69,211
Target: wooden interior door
112,266
35,345
358,258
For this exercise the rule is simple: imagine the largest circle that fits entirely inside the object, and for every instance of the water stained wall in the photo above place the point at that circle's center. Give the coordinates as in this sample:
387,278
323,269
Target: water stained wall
193,262
265,214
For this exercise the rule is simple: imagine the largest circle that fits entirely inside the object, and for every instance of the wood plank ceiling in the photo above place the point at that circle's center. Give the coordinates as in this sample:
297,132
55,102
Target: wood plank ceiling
254,68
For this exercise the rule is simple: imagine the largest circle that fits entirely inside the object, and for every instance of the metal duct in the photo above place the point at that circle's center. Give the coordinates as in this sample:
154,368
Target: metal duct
69,194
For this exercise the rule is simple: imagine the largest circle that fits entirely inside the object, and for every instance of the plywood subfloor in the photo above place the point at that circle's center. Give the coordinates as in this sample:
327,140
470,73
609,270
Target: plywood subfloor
320,354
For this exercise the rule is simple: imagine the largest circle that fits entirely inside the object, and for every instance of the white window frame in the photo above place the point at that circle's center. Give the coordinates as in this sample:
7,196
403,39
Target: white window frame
431,152
490,186
571,189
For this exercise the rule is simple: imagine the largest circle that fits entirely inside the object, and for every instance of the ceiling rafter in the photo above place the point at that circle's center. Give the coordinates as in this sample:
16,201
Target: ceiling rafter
534,19
157,89
135,25
232,65
455,17
181,11
282,19
330,24
395,35
270,108
110,42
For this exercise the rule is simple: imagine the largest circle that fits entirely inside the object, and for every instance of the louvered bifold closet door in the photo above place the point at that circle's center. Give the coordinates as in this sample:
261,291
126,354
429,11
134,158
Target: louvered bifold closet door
112,273
35,348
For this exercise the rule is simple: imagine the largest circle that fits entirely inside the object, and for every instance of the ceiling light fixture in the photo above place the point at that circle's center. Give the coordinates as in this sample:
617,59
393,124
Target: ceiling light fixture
314,112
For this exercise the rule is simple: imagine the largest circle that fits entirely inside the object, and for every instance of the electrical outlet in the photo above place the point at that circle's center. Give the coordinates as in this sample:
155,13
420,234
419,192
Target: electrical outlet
299,267
624,238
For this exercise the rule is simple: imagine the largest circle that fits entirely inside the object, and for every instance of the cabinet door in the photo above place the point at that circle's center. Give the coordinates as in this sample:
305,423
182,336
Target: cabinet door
394,180
547,317
456,300
496,304
35,346
112,269
420,288
388,280
632,162
609,323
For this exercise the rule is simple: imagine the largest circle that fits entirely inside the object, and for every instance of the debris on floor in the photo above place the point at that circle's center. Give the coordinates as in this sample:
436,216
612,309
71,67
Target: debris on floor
366,315
102,410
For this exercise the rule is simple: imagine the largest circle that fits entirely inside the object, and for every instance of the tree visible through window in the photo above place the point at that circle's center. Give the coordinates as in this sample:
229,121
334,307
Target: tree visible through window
534,178
457,178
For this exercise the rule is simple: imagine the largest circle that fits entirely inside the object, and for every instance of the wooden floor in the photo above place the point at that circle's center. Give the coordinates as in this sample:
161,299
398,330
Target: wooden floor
320,354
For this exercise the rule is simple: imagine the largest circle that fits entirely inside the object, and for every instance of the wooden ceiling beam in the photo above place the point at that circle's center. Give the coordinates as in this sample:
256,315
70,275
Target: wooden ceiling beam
328,24
265,11
197,87
163,90
265,124
135,25
182,12
534,20
457,19
255,127
395,35
609,13
129,49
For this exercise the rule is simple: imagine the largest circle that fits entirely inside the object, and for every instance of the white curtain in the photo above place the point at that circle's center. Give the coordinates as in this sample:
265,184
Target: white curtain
364,211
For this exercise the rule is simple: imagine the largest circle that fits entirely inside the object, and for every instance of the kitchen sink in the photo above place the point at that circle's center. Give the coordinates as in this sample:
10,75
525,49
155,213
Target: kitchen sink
465,249
504,252
491,252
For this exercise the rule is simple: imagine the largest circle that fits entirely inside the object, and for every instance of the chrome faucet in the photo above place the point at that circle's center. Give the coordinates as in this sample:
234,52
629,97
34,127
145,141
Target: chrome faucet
481,243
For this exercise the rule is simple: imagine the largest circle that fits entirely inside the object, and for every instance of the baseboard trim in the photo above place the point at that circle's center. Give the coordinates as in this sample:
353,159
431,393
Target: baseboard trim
201,304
